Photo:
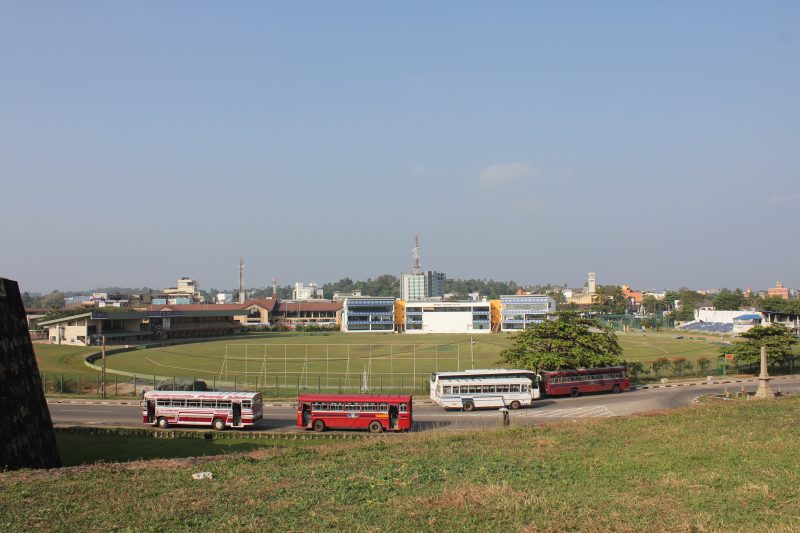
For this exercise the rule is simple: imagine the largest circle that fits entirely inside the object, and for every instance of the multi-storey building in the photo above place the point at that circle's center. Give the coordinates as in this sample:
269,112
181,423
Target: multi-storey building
427,285
519,312
368,314
447,317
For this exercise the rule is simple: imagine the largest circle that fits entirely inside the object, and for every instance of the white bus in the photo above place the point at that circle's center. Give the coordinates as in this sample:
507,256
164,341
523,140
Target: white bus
216,409
485,388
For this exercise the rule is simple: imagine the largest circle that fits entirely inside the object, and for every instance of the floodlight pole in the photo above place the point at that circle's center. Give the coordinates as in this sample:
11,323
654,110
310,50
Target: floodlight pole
104,365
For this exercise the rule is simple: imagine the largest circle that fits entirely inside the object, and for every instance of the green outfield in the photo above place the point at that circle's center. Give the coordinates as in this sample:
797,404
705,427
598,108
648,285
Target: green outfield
342,360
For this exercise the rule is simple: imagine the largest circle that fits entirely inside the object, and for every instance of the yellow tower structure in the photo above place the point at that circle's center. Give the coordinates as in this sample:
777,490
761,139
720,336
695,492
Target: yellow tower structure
495,315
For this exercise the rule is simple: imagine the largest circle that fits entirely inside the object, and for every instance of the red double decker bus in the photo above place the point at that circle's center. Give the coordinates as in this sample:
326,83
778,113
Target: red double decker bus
580,381
376,413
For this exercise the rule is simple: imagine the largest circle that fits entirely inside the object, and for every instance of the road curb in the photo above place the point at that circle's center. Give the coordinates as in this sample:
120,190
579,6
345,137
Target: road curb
722,382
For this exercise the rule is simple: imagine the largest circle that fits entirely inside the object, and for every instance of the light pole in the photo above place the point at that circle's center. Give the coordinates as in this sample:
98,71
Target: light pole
103,337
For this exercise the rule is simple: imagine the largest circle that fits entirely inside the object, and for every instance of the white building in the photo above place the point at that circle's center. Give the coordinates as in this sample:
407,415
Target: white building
365,314
448,317
521,311
710,314
306,292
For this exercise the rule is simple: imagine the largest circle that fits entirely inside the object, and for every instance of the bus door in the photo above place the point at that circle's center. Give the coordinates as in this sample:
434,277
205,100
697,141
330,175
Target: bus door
306,414
151,411
393,414
237,413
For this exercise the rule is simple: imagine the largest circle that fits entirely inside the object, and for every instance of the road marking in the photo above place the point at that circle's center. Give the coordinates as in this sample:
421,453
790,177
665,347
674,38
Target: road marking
598,411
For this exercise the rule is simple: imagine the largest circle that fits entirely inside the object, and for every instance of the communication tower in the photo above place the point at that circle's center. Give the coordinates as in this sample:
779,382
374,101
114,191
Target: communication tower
241,280
415,254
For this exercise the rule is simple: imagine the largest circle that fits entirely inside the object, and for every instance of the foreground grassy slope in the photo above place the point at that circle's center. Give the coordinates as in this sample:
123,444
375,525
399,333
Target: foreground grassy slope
709,467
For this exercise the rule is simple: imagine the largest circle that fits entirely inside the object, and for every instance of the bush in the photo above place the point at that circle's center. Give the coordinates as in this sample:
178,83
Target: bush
660,365
634,368
703,363
679,365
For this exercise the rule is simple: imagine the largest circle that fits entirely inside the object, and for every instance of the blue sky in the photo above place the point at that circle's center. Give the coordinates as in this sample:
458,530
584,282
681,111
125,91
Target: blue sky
657,144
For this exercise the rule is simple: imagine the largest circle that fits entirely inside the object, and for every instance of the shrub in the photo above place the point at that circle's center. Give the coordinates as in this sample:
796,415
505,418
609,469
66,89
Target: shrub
660,365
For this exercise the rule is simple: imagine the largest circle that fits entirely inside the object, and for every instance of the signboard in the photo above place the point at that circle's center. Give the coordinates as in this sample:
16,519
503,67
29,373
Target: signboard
729,356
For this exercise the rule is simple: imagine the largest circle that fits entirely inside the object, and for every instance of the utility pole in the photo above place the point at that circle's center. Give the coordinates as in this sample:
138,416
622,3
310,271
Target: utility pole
104,366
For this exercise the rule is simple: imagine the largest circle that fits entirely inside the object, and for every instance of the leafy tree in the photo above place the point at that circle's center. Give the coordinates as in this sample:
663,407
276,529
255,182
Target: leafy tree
55,299
728,300
612,301
652,305
570,341
683,314
776,337
776,304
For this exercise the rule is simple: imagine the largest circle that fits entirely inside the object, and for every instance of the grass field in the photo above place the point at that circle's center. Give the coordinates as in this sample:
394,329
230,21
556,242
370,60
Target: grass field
731,466
342,358
281,363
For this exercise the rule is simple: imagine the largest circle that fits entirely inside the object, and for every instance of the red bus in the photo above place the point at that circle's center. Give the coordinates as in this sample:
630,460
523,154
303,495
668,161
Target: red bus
376,413
576,382
216,409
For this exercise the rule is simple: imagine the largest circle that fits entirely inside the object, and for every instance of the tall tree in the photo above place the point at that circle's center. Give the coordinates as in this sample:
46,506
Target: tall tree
776,337
570,341
728,300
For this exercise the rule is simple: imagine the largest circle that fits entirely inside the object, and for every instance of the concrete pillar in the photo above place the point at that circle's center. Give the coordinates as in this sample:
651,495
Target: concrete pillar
763,390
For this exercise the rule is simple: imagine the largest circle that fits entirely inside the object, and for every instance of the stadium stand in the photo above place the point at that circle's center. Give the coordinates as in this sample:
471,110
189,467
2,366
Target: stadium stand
708,327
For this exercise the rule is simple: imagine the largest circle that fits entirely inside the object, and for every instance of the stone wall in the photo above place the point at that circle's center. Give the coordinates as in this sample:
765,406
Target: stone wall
27,439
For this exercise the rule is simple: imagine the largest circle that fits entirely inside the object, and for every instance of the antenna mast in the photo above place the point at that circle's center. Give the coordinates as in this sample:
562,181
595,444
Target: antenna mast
241,280
274,288
416,255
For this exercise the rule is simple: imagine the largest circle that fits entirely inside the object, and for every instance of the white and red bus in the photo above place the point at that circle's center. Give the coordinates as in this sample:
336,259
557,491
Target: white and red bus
575,382
216,409
377,413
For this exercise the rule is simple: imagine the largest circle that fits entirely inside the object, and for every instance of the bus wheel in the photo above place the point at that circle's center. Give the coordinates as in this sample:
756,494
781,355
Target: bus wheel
469,406
575,393
616,389
375,427
218,424
514,405
162,422
318,425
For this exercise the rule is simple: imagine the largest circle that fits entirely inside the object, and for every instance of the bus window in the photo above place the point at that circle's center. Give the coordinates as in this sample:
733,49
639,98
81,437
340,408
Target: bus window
403,408
178,403
514,388
163,403
447,390
209,404
192,403
384,407
246,404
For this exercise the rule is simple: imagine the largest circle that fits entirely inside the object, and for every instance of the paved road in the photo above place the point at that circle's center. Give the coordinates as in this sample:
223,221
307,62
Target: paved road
431,416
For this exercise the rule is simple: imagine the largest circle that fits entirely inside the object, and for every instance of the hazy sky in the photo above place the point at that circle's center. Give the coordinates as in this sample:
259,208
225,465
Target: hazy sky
657,144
